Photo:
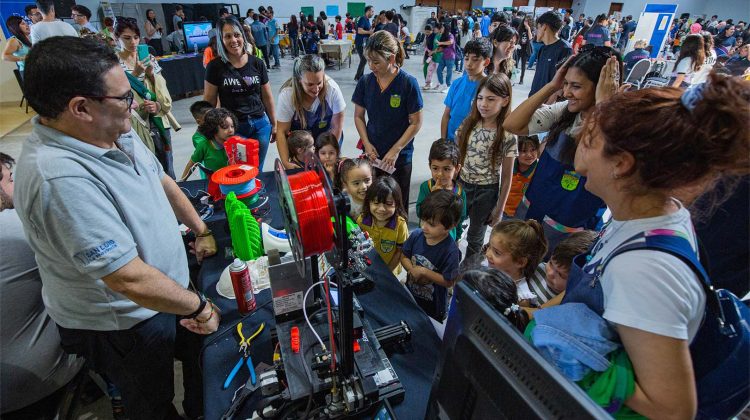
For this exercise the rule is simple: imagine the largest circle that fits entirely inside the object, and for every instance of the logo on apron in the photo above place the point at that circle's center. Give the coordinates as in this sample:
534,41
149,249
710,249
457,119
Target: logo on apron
570,180
323,124
395,101
387,246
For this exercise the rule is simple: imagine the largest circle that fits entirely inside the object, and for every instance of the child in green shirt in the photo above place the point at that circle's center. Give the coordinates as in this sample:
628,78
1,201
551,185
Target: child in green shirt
218,125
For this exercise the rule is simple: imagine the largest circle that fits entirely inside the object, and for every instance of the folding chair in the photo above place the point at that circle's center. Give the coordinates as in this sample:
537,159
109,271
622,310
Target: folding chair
19,79
638,73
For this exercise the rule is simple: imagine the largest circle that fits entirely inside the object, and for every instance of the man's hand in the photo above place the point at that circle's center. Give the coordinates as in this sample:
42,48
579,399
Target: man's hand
205,323
203,247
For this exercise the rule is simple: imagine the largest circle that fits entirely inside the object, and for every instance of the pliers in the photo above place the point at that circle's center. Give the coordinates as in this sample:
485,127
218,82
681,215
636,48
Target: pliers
245,359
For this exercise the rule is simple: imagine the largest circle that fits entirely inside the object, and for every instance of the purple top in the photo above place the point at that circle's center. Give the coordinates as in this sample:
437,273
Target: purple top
449,51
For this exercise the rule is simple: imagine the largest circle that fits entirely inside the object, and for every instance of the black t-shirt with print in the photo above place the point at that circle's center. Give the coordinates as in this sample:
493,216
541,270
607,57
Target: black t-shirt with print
244,99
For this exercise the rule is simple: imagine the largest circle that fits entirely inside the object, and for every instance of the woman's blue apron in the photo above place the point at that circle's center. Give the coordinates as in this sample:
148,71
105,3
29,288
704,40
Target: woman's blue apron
316,123
556,196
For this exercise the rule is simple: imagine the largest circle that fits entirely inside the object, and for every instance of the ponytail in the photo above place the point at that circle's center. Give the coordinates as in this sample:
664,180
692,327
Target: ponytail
384,44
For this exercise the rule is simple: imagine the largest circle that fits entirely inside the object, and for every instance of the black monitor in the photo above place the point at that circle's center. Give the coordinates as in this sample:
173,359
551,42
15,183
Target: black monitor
487,370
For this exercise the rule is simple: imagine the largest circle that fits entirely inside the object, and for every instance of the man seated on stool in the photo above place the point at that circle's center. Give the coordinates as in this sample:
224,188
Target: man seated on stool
34,366
102,218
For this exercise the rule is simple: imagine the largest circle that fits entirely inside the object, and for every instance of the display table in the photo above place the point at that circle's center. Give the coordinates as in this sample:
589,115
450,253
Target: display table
387,304
184,73
340,49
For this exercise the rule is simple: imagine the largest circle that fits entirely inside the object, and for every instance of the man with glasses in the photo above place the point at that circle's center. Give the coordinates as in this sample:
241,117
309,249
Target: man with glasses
26,324
102,218
32,14
82,15
49,26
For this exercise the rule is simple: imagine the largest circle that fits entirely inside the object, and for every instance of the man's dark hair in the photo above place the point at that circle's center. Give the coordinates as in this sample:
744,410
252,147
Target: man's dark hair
200,108
442,206
443,149
256,16
178,8
368,8
629,17
29,8
82,10
500,18
427,27
390,15
80,62
486,12
715,16
479,47
551,19
223,11
45,6
6,161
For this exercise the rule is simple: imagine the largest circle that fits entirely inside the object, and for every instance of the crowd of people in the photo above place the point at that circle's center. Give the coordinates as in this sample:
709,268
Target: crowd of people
105,261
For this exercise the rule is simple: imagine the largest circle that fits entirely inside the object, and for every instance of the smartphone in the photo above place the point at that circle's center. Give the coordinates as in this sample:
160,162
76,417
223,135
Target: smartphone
142,52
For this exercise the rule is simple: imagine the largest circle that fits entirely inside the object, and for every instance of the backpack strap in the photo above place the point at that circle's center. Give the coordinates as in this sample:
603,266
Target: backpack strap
672,243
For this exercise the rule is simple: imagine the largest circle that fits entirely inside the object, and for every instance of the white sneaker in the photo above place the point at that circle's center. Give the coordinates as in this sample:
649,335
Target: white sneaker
426,87
438,87
445,90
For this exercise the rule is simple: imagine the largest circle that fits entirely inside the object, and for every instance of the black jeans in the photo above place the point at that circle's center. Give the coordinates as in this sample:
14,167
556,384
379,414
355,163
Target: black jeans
362,62
140,362
522,59
480,201
402,175
266,52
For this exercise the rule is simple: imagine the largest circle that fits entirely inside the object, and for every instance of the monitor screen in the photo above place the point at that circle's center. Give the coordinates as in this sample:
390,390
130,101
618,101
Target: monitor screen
488,370
196,33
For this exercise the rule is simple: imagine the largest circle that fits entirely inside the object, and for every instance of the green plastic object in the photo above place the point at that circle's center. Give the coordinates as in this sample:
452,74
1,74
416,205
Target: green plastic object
350,225
244,229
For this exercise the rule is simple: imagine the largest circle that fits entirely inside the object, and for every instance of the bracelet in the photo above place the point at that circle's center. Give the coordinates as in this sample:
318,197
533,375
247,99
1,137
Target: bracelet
211,315
207,233
201,306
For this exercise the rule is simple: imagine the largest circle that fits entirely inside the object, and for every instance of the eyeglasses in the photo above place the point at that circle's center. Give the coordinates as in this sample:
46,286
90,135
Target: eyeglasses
75,15
128,98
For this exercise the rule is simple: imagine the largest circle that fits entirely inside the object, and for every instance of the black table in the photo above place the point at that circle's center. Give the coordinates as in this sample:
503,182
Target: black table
184,73
387,304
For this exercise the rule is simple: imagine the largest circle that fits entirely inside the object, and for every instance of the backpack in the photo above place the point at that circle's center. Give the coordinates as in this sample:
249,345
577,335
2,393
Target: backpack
720,350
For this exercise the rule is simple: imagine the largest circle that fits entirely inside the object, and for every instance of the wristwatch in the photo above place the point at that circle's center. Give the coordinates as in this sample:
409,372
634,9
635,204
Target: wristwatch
208,232
201,307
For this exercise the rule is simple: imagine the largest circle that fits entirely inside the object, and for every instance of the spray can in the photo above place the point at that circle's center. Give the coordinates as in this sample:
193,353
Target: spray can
243,286
195,47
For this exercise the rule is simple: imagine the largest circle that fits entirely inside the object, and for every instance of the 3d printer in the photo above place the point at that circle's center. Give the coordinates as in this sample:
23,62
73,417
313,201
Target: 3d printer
328,362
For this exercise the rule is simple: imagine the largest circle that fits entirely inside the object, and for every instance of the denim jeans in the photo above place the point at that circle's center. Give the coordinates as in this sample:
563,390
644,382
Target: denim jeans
258,129
294,41
446,64
266,54
275,53
140,362
535,47
480,201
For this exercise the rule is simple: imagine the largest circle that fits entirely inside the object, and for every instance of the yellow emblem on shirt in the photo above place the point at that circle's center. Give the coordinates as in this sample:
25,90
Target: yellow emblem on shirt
395,101
570,180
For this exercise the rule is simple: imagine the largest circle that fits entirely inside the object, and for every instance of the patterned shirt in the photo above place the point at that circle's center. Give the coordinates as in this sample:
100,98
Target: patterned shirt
476,168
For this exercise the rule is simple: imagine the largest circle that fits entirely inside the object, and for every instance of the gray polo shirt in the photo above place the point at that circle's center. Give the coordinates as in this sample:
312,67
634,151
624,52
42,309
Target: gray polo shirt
87,212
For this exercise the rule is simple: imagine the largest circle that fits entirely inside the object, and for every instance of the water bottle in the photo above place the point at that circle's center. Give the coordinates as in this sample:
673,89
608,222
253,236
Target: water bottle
195,47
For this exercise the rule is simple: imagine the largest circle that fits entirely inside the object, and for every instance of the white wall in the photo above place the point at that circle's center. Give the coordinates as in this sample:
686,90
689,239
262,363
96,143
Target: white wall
738,9
282,9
